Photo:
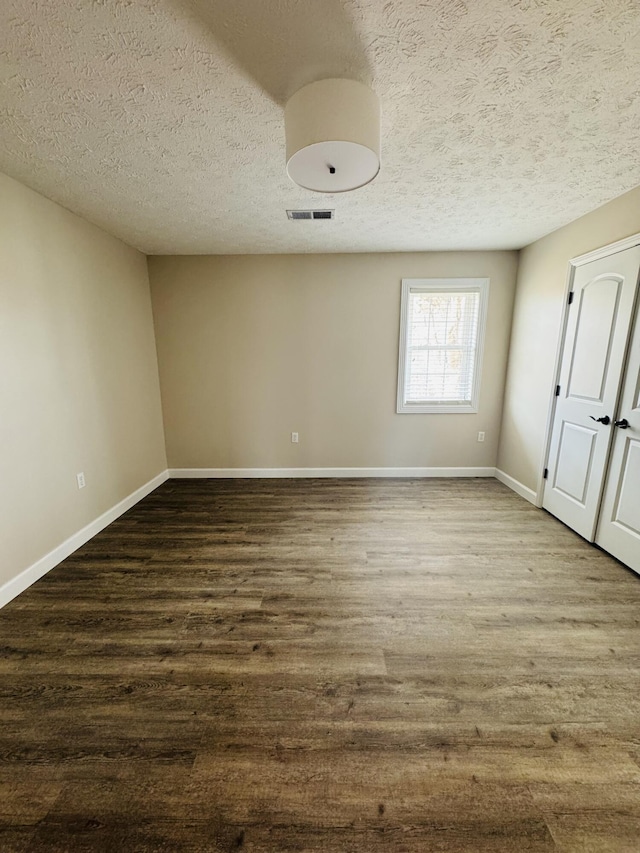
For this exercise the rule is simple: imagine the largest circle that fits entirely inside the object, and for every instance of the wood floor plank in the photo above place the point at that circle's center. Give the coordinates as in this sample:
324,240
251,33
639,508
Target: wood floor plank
324,665
585,818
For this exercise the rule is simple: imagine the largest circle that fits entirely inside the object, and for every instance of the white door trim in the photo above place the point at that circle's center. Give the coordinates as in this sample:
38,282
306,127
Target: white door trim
605,251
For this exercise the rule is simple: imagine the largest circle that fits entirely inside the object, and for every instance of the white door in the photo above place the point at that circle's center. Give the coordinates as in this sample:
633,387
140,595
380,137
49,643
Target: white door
593,356
619,525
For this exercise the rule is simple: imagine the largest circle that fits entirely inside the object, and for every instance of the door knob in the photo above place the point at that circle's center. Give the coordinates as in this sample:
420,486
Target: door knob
605,420
623,424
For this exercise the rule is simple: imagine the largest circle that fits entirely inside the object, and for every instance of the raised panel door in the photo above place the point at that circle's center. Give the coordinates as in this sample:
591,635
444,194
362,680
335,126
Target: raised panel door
592,361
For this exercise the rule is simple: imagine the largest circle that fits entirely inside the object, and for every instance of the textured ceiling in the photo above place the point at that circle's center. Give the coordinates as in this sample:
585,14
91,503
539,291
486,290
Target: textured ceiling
162,120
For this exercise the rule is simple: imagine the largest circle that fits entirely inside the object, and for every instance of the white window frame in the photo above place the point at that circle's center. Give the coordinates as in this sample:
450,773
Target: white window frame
425,285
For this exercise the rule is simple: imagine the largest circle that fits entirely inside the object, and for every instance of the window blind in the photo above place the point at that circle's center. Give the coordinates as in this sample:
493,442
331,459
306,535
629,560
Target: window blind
442,337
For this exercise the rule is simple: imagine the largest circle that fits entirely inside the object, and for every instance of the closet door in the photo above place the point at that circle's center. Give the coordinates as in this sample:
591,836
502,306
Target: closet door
619,526
593,356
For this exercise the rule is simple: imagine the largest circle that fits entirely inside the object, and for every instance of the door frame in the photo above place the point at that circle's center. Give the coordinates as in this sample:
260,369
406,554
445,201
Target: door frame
574,264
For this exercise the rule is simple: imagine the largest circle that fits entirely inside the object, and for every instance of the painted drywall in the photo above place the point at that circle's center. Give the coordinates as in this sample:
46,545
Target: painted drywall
252,348
78,375
542,278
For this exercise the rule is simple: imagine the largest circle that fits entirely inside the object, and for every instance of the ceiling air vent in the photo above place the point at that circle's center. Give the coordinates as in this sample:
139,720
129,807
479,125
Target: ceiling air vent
310,214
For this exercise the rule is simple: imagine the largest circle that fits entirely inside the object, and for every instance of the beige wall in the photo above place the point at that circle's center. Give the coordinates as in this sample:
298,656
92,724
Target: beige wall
542,277
252,348
78,375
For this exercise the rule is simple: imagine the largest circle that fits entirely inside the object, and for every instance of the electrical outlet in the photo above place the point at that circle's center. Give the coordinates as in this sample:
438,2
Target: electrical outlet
480,436
294,437
80,479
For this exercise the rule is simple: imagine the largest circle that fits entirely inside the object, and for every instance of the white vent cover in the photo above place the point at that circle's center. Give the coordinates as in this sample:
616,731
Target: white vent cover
310,214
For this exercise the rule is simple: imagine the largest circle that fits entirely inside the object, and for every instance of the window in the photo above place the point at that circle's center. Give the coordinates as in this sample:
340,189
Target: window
441,334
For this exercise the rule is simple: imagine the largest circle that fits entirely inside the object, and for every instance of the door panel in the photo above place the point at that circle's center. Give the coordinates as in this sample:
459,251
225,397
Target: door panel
627,506
595,328
619,527
575,455
594,349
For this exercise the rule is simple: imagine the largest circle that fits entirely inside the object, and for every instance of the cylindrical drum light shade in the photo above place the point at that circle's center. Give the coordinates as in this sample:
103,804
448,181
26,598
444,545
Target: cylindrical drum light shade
333,136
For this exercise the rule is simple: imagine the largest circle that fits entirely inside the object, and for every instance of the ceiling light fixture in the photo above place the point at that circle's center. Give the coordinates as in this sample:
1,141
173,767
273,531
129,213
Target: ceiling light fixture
333,136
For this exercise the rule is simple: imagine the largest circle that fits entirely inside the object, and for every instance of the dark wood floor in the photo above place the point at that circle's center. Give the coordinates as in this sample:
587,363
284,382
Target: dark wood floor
318,665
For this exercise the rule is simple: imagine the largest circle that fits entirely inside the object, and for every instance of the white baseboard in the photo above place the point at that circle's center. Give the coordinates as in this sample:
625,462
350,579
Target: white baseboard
518,487
30,575
230,473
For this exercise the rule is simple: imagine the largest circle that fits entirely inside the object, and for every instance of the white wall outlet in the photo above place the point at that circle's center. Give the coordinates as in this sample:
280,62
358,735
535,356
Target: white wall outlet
480,436
294,437
80,479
